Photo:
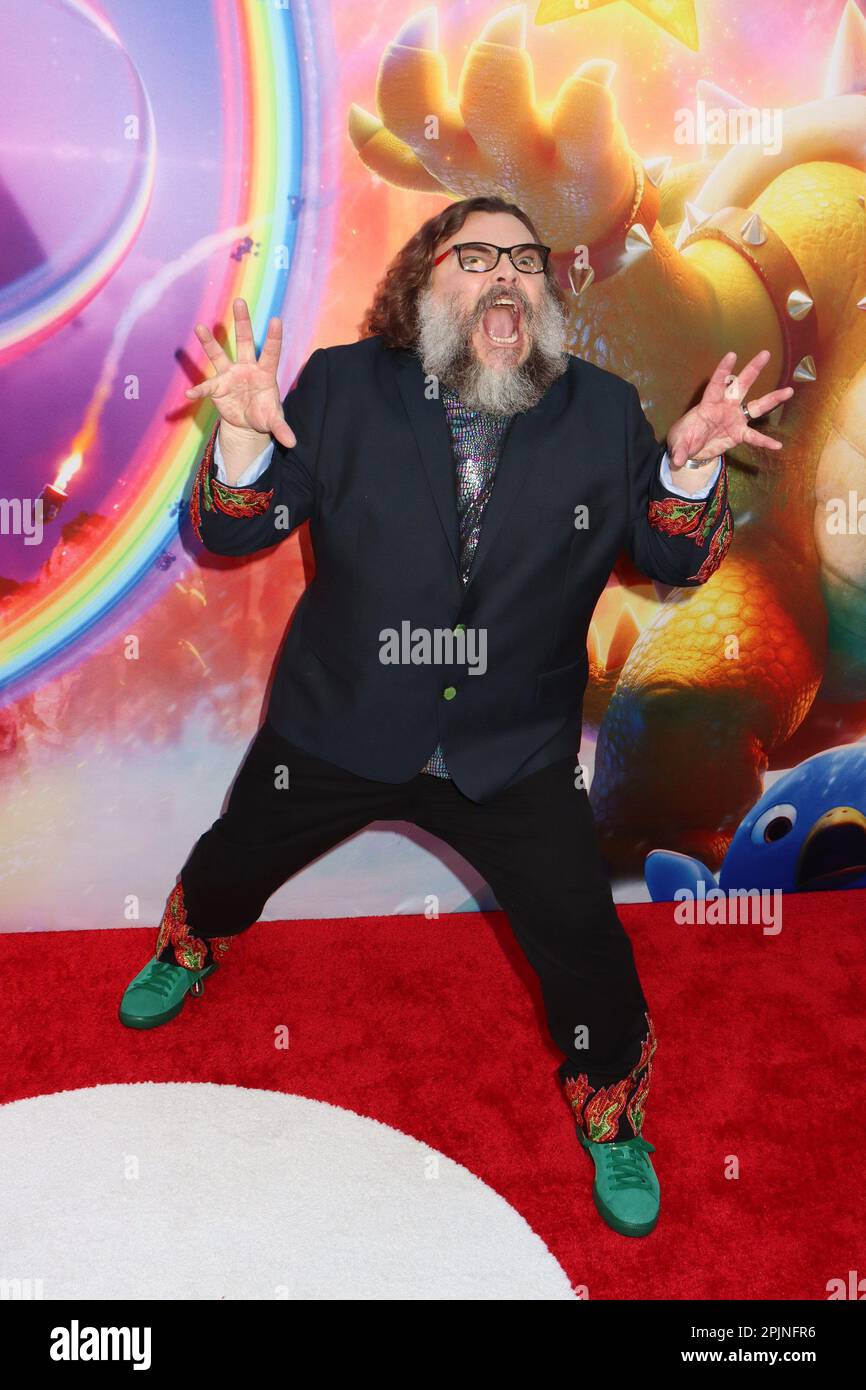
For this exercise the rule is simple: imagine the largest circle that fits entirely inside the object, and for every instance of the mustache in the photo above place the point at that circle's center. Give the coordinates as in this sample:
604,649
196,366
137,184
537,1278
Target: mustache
472,317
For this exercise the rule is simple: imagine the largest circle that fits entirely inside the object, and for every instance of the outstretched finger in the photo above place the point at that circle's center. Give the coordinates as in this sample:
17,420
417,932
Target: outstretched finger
764,404
752,370
246,348
269,357
760,441
715,389
204,389
218,356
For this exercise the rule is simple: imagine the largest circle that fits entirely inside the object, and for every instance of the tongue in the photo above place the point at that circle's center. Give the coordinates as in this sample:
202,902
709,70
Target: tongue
499,322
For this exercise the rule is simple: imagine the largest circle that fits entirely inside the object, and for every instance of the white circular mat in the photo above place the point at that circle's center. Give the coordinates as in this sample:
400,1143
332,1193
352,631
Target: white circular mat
186,1190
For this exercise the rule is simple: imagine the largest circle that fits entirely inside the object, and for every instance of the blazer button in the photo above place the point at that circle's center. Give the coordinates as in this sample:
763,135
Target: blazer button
449,692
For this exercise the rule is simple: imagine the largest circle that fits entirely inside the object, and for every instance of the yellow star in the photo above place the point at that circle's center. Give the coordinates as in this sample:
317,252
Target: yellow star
676,16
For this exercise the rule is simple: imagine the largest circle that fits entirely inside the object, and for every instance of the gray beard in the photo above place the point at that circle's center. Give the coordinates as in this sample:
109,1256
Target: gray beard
444,345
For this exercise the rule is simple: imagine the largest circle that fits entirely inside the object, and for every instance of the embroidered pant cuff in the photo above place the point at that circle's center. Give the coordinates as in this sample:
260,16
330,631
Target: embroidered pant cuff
607,1114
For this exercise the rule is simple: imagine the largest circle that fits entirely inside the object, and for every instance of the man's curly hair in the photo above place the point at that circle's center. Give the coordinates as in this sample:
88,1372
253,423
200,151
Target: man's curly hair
393,311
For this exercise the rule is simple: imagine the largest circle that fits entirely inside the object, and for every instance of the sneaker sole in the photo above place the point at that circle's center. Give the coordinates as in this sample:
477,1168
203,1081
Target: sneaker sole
135,1021
623,1228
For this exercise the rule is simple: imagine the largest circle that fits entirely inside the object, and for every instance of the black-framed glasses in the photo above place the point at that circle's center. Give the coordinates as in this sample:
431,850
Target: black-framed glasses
530,257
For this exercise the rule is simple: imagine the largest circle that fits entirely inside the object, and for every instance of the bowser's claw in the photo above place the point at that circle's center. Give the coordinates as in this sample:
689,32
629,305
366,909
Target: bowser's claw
507,27
493,135
497,95
385,155
600,70
421,31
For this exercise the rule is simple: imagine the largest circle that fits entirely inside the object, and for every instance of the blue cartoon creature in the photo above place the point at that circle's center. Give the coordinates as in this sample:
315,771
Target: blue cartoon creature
806,833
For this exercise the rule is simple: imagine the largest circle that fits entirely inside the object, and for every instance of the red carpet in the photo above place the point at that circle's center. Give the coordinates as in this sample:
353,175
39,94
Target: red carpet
436,1028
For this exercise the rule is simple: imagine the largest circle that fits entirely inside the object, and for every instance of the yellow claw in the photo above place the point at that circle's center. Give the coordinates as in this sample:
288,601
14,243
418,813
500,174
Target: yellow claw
387,156
568,164
414,103
496,93
593,157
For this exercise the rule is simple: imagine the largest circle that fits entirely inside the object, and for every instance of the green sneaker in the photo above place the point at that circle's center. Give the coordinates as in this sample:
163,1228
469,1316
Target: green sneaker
626,1189
158,992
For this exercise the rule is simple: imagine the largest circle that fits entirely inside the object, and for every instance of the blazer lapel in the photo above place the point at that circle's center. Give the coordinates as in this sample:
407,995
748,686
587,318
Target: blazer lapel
433,437
519,453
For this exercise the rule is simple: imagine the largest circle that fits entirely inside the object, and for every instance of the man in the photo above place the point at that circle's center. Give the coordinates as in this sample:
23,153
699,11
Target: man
469,486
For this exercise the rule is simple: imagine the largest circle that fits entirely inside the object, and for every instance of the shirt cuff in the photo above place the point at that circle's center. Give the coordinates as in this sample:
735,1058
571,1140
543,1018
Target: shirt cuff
253,470
665,475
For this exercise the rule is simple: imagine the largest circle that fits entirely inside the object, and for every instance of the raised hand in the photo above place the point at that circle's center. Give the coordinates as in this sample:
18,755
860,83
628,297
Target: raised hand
246,392
718,422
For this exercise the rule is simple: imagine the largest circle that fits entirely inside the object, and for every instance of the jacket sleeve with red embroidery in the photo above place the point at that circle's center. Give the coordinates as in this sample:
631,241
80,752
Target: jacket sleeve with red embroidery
671,538
240,520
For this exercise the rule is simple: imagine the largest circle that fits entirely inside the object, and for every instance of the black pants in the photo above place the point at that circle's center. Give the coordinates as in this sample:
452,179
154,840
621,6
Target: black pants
535,844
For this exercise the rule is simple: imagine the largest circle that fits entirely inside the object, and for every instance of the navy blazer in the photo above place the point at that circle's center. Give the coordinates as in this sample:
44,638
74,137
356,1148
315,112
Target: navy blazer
372,470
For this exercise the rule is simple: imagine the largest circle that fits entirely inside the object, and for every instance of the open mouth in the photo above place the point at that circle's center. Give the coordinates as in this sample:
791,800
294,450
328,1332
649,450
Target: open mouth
834,851
502,322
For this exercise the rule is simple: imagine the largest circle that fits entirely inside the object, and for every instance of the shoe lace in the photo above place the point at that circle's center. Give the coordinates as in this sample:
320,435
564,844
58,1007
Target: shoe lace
162,978
627,1163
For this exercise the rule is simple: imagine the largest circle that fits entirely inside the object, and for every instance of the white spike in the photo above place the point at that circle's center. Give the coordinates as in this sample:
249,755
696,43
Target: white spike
798,304
683,234
696,215
656,169
752,231
580,277
637,239
806,370
846,68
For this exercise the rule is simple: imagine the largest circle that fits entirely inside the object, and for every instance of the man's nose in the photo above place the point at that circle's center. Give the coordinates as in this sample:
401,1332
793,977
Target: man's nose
504,278
509,277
